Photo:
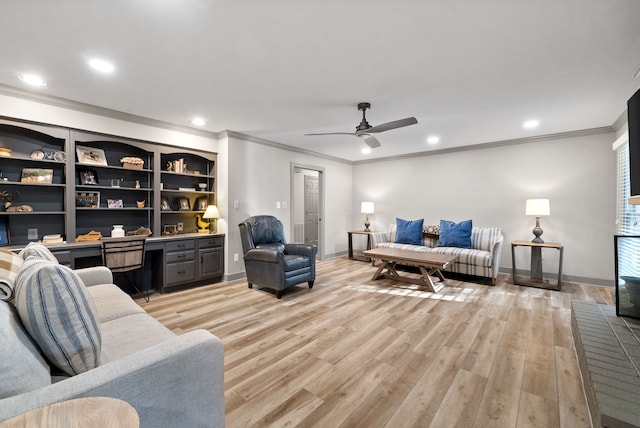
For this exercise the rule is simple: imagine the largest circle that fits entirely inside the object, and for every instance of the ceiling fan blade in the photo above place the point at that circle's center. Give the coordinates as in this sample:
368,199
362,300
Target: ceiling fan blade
392,125
334,133
370,141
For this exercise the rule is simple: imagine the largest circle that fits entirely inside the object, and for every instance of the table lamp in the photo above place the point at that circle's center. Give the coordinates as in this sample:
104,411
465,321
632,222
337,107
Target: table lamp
213,214
537,207
366,208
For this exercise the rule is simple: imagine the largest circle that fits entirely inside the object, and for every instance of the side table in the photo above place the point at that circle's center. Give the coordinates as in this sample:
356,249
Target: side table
369,244
536,279
98,412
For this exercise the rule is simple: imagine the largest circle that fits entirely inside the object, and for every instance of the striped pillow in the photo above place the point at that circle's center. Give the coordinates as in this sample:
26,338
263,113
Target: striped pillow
36,249
10,264
58,312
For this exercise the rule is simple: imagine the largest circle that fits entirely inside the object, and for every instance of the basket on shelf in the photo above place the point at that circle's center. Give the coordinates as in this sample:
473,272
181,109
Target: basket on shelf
132,162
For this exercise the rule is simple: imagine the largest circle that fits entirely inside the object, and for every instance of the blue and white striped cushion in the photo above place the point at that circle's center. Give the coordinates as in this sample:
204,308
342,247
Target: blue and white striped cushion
483,238
36,249
58,312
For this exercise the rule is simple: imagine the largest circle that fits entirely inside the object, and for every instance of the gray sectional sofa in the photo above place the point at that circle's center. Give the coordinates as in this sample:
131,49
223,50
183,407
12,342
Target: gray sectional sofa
170,380
483,259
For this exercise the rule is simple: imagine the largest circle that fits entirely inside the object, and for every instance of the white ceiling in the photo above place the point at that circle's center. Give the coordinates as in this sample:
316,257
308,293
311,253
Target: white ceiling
470,71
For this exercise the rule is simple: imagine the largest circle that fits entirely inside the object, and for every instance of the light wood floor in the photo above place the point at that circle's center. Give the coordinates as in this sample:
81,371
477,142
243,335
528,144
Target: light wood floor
352,352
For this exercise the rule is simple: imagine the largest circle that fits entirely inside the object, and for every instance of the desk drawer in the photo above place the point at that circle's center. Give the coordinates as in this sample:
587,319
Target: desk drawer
181,272
183,244
181,256
211,242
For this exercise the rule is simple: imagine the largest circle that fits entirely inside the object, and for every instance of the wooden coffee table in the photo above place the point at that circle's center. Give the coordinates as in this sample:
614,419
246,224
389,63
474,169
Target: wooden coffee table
428,263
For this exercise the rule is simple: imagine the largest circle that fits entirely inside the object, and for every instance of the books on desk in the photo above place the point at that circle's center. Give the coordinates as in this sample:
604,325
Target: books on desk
52,239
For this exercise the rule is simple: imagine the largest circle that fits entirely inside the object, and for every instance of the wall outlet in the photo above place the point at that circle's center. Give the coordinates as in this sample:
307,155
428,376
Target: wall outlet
277,205
284,205
236,204
180,226
32,233
236,257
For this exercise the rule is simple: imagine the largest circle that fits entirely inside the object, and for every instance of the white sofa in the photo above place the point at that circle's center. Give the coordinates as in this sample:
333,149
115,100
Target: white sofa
170,380
483,259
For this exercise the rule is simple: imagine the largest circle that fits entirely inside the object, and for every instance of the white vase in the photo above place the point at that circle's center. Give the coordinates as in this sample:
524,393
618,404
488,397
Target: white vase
118,231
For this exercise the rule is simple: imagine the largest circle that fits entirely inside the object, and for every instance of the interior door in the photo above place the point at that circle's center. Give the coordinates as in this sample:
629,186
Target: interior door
311,209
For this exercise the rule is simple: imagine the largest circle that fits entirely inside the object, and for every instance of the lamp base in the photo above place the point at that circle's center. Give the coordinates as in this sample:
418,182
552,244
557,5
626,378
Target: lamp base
367,224
537,231
203,230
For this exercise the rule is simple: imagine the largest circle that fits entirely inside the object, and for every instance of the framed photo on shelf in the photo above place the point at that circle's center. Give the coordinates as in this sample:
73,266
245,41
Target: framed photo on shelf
87,199
91,156
164,204
114,203
36,176
184,204
5,237
170,229
201,204
88,177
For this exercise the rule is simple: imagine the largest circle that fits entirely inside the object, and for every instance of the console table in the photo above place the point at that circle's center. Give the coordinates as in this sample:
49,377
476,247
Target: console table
535,279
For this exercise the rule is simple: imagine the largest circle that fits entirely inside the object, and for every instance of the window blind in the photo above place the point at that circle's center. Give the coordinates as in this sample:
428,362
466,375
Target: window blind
628,218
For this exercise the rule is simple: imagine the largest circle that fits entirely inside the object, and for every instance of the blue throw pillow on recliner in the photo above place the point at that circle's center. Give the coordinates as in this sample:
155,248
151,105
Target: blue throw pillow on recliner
455,234
409,231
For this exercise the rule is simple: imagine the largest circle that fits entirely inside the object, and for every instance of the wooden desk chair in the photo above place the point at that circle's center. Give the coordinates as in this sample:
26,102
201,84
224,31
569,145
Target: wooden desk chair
123,256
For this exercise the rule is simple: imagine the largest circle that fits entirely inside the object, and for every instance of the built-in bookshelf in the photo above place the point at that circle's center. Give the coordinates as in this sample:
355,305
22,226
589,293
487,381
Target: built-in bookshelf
74,182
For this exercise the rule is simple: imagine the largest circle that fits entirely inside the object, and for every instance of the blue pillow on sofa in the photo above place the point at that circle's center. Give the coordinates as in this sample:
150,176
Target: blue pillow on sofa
409,231
455,234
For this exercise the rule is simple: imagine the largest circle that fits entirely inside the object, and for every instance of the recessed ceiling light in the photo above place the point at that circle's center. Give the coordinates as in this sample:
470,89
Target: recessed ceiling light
433,139
101,65
531,123
366,150
33,80
198,121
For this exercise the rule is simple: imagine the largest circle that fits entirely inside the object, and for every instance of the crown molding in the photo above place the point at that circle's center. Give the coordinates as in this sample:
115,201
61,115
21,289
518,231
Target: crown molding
516,141
257,140
101,111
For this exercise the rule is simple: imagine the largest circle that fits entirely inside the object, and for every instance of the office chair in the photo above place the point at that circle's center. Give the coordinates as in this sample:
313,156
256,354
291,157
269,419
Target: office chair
123,256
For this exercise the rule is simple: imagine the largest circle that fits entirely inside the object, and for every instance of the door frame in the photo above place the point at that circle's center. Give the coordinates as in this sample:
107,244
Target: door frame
321,173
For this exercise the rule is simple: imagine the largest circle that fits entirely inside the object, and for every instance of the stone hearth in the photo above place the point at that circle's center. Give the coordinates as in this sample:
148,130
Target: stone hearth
608,349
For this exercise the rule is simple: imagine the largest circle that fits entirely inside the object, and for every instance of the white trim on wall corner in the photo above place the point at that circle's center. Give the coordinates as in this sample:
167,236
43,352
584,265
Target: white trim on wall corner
623,139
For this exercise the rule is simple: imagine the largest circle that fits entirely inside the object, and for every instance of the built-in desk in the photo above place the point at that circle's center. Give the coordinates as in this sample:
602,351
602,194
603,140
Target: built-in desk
171,262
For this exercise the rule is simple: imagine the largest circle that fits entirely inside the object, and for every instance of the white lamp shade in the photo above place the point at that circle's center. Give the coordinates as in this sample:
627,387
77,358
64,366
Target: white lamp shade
211,212
366,208
537,207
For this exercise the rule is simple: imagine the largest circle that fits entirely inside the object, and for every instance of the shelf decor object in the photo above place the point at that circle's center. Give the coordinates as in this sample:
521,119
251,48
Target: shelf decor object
366,208
37,176
5,236
537,208
184,204
87,199
91,156
132,162
114,203
88,177
212,213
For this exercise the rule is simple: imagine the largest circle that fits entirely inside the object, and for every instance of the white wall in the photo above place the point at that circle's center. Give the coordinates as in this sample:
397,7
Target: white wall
260,174
490,186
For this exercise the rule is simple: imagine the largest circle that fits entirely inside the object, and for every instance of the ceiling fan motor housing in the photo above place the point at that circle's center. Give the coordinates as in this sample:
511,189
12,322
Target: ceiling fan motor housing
364,125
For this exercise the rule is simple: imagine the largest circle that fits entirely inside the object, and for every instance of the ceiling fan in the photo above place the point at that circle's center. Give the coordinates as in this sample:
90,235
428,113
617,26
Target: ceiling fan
364,130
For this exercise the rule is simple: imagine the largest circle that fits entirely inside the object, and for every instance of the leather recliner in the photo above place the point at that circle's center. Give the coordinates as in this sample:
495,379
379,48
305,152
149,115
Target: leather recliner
269,261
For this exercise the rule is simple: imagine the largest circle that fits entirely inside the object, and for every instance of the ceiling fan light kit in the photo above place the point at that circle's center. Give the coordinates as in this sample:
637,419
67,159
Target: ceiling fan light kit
364,129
